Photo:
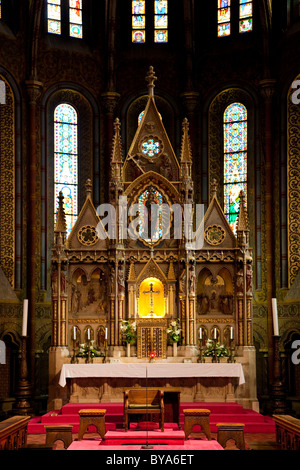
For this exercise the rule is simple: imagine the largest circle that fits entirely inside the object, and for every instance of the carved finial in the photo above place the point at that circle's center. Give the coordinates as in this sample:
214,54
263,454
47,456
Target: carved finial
186,152
242,222
117,144
214,187
61,225
150,78
88,187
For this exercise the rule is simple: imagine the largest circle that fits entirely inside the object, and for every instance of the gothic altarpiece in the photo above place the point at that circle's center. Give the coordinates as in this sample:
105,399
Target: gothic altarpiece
102,276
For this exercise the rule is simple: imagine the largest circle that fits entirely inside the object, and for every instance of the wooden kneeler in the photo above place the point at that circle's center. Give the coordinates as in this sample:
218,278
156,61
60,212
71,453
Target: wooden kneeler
59,432
90,417
196,416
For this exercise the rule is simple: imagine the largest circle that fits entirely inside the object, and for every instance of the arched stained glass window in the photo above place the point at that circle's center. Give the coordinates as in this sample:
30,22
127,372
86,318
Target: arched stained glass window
235,160
56,9
65,160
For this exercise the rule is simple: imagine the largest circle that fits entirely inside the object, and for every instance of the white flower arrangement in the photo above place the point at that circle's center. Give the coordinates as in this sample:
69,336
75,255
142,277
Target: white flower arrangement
174,331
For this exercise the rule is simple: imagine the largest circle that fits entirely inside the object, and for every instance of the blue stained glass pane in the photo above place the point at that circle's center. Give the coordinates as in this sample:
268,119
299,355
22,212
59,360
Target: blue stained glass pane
235,112
66,169
235,136
235,167
161,7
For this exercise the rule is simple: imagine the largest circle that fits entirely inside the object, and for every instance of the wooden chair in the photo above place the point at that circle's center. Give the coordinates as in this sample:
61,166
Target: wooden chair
196,416
144,402
94,417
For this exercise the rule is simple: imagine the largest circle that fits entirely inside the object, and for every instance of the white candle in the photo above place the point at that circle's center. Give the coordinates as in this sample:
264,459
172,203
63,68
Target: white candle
105,333
200,333
25,317
231,332
215,333
74,332
275,317
88,334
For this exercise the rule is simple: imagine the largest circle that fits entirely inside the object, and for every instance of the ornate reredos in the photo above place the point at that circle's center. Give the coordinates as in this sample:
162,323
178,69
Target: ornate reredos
151,149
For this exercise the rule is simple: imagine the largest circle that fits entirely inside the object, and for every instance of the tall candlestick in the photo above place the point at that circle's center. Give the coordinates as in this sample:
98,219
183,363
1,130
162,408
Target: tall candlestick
25,317
105,333
74,333
215,333
275,317
88,334
231,332
200,333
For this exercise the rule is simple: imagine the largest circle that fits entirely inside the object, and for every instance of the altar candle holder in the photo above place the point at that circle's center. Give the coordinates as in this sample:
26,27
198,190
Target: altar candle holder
74,358
89,358
215,356
105,350
201,358
231,353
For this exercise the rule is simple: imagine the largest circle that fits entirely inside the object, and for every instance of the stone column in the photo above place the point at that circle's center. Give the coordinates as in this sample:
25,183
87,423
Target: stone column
34,92
267,90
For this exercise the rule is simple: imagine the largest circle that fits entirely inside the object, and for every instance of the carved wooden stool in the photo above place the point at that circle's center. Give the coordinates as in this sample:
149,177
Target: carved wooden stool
90,417
234,431
196,416
59,432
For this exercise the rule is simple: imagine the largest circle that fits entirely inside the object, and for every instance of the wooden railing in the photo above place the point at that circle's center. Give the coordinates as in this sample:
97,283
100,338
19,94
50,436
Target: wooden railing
13,432
287,432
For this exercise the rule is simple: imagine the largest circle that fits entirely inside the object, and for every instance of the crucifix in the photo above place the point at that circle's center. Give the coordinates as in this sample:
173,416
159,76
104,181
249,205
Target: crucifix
151,292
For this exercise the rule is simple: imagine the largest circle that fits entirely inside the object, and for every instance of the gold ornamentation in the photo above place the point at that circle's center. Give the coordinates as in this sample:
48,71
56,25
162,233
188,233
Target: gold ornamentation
214,234
87,235
7,185
293,190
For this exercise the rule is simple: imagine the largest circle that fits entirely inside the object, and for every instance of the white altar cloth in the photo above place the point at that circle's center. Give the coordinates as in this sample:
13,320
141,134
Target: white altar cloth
151,370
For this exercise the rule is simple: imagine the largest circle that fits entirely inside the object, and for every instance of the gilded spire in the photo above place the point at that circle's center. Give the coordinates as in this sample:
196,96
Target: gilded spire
242,222
186,151
117,144
61,226
150,78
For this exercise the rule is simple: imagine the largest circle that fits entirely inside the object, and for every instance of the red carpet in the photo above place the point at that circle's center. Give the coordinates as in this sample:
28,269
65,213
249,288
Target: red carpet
220,412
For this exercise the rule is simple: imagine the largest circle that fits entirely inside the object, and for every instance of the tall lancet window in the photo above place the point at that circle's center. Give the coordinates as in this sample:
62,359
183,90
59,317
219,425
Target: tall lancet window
160,21
235,160
224,14
245,15
65,161
59,9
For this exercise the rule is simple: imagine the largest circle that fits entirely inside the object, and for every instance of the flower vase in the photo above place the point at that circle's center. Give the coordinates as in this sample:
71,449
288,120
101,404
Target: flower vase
128,349
174,349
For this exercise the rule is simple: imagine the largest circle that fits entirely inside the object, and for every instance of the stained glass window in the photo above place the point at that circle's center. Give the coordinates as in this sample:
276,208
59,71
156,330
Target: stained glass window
246,12
160,21
138,21
235,160
65,160
224,14
150,215
0,9
54,16
75,18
